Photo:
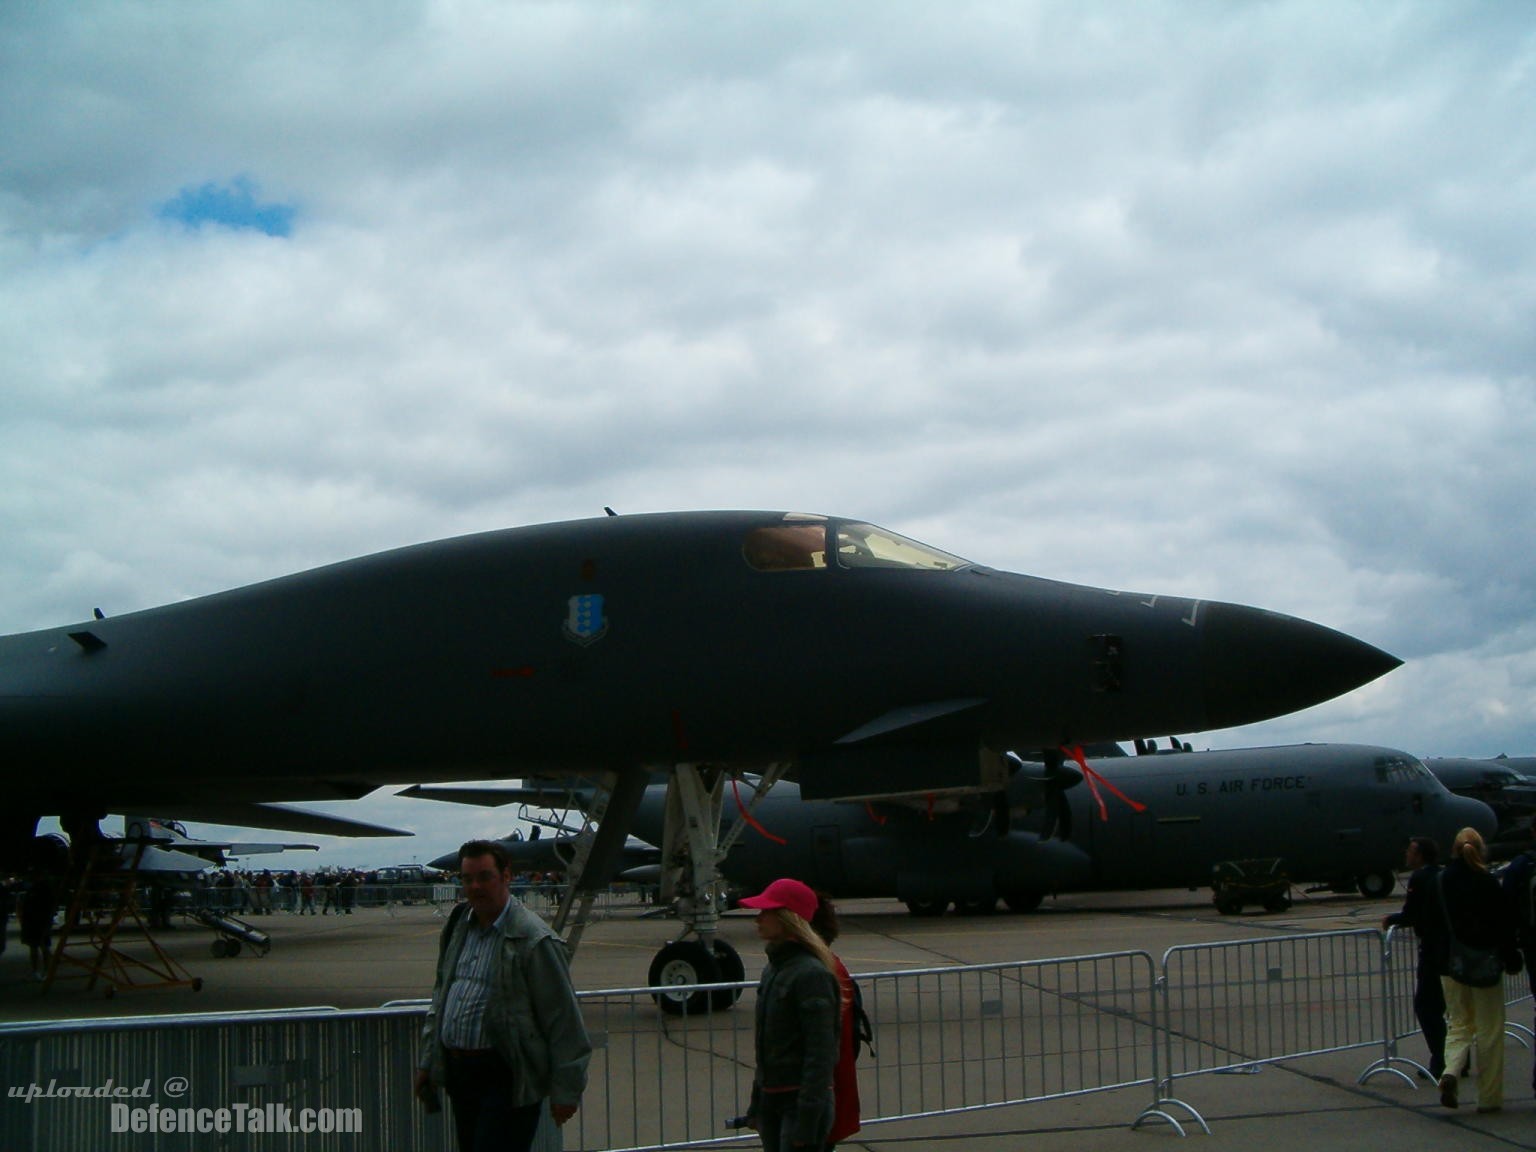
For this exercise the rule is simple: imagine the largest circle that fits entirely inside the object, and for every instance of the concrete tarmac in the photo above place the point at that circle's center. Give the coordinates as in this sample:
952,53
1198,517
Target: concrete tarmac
379,955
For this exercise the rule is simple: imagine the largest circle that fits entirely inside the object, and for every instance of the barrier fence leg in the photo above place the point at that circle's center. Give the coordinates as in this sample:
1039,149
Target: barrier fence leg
1391,1010
1162,1077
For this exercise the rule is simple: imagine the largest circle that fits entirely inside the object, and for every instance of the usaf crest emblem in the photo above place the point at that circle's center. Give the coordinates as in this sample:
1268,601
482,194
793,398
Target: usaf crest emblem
584,622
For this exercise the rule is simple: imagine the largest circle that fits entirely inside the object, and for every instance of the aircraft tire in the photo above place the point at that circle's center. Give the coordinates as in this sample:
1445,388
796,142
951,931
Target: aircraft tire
1229,906
216,949
731,969
683,962
1280,903
231,947
935,907
1023,900
1375,885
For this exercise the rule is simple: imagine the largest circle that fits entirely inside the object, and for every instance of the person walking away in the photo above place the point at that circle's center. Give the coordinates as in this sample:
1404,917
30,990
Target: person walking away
796,1021
1421,912
1519,884
504,1032
6,901
1474,907
39,905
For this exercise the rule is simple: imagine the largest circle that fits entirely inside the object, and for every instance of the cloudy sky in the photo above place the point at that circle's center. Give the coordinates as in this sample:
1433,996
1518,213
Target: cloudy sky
1228,300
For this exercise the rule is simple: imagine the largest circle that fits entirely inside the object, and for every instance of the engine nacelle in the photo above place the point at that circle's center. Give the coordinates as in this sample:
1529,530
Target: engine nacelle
1024,861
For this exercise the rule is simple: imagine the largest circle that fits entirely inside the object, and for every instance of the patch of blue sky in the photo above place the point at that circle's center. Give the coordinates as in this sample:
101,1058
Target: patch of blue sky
233,205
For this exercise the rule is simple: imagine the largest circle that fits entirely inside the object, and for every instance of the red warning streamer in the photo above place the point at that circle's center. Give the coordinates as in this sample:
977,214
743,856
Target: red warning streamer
1094,780
747,816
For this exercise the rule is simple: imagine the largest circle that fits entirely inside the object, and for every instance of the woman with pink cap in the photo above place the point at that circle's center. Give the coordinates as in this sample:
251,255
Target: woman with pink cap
798,1012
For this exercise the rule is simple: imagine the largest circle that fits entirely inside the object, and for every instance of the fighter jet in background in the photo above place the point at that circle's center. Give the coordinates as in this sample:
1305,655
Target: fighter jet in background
168,840
537,852
705,644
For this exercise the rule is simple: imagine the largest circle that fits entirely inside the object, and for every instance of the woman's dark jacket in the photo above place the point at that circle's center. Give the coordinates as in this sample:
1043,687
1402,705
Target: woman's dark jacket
797,1034
1479,914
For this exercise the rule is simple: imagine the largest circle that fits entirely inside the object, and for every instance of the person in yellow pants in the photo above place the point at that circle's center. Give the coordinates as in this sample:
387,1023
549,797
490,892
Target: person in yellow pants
1477,917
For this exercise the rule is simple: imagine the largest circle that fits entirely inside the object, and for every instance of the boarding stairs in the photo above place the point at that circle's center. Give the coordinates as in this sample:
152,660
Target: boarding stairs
104,901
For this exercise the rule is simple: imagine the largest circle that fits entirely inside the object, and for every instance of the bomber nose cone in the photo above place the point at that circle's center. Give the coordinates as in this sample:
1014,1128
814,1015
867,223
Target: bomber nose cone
1260,664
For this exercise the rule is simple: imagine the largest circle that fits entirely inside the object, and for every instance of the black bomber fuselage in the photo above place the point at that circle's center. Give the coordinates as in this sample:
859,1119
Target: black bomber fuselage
633,640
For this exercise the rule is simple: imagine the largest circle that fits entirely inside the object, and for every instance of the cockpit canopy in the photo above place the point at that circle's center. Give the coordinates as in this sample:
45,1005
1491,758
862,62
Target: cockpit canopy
1401,770
801,542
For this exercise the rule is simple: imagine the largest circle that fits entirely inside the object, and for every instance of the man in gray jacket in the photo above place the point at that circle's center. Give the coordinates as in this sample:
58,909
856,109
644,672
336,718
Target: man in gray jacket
504,1031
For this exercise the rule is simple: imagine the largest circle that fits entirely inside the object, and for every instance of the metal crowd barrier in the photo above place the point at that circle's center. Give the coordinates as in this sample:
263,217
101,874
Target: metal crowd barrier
1250,1002
986,1036
946,1040
260,1071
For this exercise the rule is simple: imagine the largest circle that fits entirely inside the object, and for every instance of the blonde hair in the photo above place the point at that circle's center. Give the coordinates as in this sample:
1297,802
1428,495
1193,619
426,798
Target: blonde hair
1470,849
799,929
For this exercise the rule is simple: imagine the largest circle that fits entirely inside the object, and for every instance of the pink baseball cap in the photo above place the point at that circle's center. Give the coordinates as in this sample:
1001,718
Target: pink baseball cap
786,893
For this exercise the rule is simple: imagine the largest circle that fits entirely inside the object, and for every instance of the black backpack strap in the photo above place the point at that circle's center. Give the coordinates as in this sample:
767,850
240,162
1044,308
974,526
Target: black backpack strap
863,1030
453,918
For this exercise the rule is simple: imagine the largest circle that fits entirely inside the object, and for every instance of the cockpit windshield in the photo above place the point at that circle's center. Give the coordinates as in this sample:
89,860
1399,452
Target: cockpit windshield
865,546
1401,770
1503,778
801,542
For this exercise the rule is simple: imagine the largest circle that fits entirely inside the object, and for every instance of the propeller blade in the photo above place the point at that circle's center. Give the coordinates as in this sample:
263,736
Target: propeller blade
1053,773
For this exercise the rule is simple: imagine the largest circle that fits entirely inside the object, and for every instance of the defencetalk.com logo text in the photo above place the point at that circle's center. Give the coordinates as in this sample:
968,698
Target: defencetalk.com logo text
246,1118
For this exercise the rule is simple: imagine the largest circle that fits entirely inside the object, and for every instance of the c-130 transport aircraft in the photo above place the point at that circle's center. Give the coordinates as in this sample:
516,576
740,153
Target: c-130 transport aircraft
704,644
1249,823
1335,815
